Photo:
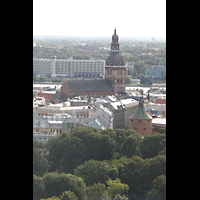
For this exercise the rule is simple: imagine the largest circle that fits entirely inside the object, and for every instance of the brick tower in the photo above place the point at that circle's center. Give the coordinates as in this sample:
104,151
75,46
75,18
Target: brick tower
115,71
140,120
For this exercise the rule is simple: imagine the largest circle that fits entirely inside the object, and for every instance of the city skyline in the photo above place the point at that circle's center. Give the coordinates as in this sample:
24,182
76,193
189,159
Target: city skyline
99,18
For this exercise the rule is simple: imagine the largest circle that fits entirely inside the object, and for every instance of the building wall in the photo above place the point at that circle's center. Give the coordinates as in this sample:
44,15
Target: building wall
44,66
157,127
129,110
48,130
71,94
141,126
156,72
68,67
117,77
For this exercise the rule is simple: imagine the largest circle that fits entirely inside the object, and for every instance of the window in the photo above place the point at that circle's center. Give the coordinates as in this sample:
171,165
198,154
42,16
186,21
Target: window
135,128
140,121
131,120
108,71
148,120
118,72
144,128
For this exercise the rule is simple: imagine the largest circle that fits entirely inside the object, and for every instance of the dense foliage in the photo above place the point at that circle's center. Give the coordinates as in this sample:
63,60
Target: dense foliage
108,164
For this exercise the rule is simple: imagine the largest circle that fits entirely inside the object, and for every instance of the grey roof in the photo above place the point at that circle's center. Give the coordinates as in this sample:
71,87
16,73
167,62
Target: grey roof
89,85
115,59
140,112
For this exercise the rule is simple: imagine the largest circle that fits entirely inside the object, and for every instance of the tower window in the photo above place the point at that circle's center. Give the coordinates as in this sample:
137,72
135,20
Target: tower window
118,72
121,80
108,71
121,72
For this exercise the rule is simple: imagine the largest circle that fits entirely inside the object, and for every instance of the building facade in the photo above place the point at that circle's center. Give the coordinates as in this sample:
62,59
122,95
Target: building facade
44,66
140,120
115,70
114,82
156,72
69,67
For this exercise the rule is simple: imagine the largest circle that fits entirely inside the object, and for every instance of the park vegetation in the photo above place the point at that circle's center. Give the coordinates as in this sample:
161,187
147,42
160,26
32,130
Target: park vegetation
88,164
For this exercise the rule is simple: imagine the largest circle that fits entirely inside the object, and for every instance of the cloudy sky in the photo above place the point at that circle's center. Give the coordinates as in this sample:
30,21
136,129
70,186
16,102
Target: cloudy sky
132,18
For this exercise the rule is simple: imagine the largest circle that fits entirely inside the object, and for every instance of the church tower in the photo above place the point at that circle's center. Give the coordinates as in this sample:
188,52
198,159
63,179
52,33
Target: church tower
115,69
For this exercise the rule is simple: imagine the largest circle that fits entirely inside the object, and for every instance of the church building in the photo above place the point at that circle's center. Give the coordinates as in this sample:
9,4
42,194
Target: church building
114,82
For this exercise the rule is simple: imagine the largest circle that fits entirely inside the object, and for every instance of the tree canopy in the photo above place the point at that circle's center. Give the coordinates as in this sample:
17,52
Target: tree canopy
91,164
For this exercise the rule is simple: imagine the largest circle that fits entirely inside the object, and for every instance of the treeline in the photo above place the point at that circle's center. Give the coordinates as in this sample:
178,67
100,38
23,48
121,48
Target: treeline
108,164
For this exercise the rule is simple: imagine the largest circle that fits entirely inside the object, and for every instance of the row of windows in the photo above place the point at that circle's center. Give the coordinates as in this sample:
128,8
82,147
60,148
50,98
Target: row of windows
51,131
119,72
143,128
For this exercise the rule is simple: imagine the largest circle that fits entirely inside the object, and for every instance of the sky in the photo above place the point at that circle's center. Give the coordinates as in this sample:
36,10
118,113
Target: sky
132,18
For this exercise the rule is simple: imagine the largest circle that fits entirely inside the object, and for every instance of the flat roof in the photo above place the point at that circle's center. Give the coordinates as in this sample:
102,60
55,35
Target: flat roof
159,121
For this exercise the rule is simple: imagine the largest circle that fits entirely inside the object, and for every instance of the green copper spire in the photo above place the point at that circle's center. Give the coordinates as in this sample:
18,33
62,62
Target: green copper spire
140,112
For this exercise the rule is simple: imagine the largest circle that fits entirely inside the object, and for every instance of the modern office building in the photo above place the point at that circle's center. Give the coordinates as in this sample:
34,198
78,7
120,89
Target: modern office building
44,66
156,72
68,67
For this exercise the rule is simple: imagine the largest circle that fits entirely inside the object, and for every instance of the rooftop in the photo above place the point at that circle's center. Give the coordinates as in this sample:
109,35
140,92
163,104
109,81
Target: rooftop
140,112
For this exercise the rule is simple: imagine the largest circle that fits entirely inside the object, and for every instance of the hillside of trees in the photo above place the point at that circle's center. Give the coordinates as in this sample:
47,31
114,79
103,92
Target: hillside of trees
88,164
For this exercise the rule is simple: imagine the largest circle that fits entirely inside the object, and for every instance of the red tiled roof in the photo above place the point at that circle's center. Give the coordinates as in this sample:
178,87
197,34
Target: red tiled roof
160,101
46,95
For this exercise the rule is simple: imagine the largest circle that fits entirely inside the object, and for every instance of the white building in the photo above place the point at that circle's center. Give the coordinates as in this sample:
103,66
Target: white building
44,66
69,67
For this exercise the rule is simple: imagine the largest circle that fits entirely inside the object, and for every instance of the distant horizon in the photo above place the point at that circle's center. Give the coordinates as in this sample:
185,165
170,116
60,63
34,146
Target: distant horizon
94,18
103,37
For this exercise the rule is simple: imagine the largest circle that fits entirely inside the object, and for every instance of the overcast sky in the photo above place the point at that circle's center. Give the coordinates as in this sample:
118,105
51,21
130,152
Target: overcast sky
132,18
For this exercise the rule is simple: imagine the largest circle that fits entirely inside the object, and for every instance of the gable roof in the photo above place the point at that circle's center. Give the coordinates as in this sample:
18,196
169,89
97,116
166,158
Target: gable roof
89,85
160,101
46,95
140,112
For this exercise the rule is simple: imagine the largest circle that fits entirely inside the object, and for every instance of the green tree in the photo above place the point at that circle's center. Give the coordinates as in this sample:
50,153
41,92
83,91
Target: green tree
38,187
95,172
55,152
40,164
115,187
97,191
152,144
72,153
119,197
130,145
56,184
130,173
152,168
68,195
128,80
159,189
